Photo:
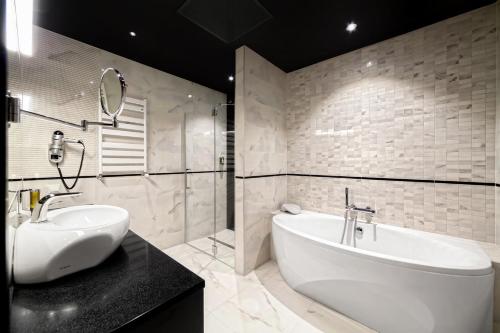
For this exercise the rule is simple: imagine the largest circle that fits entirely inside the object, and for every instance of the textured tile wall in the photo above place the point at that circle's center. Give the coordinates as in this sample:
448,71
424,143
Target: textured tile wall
458,210
417,106
61,80
260,125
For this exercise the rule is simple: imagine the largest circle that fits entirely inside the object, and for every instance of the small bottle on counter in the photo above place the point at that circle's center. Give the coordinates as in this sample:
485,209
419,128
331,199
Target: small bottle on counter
34,198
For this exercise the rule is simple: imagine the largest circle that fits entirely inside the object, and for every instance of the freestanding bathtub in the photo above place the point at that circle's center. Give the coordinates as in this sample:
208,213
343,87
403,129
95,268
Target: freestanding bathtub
394,280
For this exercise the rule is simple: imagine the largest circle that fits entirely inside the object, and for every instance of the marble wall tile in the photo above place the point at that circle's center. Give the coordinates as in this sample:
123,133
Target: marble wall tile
497,214
155,203
239,226
239,114
261,149
200,204
260,116
61,79
262,196
497,132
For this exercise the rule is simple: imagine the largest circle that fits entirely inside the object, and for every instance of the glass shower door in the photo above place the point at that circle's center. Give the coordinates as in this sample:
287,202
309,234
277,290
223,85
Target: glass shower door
224,232
206,176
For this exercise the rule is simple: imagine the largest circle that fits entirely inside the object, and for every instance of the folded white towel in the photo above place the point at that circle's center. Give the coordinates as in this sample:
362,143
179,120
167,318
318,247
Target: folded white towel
291,208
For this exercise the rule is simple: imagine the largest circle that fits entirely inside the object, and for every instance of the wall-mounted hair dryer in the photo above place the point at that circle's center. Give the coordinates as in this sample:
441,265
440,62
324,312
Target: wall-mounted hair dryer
56,155
56,147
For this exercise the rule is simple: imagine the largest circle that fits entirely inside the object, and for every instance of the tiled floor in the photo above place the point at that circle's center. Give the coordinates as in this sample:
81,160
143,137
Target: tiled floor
259,302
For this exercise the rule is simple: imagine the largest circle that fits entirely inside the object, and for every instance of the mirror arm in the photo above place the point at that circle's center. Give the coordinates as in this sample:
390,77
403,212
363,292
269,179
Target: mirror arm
83,126
41,116
86,123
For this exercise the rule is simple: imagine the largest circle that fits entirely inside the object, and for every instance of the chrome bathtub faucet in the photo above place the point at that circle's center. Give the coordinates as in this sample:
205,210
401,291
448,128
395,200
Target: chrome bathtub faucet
352,211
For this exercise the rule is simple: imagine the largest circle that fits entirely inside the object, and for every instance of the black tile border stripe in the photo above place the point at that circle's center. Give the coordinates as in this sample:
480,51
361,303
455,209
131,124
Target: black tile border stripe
261,176
409,180
116,175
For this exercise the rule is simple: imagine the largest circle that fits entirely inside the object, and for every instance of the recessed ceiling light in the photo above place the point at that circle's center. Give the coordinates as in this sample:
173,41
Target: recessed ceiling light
231,78
132,34
351,27
190,96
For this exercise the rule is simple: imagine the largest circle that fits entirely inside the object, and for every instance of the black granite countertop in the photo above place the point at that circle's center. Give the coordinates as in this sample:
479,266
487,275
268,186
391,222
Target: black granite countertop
133,281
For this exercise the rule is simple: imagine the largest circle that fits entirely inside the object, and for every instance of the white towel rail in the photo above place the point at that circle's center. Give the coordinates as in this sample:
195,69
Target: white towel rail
124,149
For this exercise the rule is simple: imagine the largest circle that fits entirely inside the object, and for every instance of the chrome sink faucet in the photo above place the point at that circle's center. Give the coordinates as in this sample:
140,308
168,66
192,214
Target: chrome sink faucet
42,207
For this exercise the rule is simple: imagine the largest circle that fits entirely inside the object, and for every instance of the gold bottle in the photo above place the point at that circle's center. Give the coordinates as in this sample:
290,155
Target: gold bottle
34,198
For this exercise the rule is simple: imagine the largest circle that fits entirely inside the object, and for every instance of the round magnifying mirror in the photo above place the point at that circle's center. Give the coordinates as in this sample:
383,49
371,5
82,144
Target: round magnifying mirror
112,90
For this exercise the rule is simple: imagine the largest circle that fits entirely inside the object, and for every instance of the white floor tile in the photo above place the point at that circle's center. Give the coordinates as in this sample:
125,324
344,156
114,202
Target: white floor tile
259,302
214,325
328,320
256,310
196,261
179,251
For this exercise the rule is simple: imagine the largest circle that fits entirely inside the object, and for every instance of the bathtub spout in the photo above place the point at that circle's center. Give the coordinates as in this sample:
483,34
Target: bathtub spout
351,212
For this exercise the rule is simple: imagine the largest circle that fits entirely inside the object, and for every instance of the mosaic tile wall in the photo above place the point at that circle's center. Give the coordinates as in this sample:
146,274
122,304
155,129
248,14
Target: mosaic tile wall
466,211
418,106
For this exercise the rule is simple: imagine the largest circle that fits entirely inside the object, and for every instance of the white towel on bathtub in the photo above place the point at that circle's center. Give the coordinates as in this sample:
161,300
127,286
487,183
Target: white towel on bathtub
291,208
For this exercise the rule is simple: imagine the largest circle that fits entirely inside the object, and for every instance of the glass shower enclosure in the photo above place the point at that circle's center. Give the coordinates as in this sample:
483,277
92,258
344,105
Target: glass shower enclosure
209,225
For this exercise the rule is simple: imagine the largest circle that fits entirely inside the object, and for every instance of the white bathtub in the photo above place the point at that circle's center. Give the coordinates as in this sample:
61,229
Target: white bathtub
395,280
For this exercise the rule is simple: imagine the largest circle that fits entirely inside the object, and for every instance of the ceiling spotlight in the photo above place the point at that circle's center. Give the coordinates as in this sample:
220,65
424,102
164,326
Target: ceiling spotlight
132,34
190,96
231,78
369,64
351,27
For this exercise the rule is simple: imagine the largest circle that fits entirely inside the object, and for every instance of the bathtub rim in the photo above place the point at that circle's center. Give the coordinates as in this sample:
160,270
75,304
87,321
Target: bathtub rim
471,245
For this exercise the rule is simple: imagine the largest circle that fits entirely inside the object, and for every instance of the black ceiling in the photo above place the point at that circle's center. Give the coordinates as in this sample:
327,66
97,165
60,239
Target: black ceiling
299,32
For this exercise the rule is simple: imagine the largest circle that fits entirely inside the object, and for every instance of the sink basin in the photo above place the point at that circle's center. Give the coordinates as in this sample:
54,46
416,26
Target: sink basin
71,239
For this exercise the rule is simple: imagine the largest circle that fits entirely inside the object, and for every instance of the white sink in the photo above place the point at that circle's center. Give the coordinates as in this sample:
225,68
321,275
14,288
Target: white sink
71,239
